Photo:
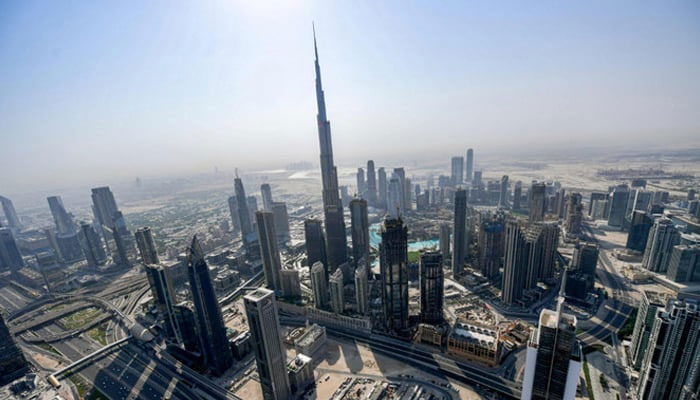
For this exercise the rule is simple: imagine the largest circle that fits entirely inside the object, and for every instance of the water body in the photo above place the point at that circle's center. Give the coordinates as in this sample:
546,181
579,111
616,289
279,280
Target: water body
375,238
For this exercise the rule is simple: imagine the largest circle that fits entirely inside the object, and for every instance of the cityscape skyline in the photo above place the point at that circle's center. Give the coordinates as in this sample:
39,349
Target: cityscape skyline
467,85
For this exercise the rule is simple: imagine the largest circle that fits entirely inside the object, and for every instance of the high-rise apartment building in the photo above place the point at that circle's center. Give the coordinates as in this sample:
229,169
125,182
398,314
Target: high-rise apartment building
663,235
618,206
267,239
517,195
362,288
10,256
457,171
315,243
470,164
266,336
12,362
491,244
445,241
515,263
281,219
432,284
360,230
244,216
381,188
104,206
684,264
210,323
336,291
503,196
650,304
371,184
537,203
161,283
393,261
235,218
266,194
574,214
459,232
92,245
319,285
361,186
640,224
146,245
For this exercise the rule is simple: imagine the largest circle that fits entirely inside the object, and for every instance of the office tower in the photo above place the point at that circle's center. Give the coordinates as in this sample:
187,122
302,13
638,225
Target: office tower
122,238
361,182
640,224
554,357
457,171
477,178
210,324
161,283
266,194
371,184
244,216
10,213
336,286
400,174
70,248
319,285
187,325
315,243
146,245
104,206
585,258
235,218
281,219
393,261
407,194
92,245
291,285
491,244
381,187
595,196
548,241
64,221
663,235
684,264
394,197
13,365
266,336
445,241
431,287
459,232
515,263
651,303
574,214
618,206
561,203
671,366
336,240
252,208
537,204
503,197
691,195
470,164
517,195
267,239
642,200
360,230
10,256
362,288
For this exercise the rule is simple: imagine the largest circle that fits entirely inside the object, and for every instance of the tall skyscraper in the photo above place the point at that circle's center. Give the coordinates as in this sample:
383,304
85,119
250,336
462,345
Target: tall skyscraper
445,241
335,285
371,184
381,187
315,243
470,164
361,186
640,224
10,256
457,171
64,221
432,286
537,203
161,283
618,206
554,357
244,216
574,214
266,336
491,244
146,245
267,238
517,195
266,194
515,263
663,235
393,261
10,214
12,362
319,285
394,197
360,230
104,206
92,245
684,264
362,288
332,206
233,209
503,196
459,232
651,303
210,323
671,366
549,242
281,217
404,190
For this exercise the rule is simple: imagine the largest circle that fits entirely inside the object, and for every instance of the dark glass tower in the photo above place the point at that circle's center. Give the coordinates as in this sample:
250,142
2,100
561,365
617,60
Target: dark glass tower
210,324
431,287
459,235
394,271
267,238
9,209
332,205
360,230
315,243
12,362
92,245
147,246
639,231
537,202
10,257
371,184
243,213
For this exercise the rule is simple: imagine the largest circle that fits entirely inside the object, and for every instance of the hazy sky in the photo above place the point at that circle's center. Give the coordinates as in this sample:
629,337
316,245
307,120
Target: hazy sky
93,91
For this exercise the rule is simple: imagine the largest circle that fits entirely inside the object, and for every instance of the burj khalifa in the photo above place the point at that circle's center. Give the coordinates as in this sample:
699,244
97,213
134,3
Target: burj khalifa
332,205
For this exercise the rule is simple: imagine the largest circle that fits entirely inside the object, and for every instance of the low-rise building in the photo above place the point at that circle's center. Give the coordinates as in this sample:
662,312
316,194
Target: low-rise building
311,341
301,372
475,343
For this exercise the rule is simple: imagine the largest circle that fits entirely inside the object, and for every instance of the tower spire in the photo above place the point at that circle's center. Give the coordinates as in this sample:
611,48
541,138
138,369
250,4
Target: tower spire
313,27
